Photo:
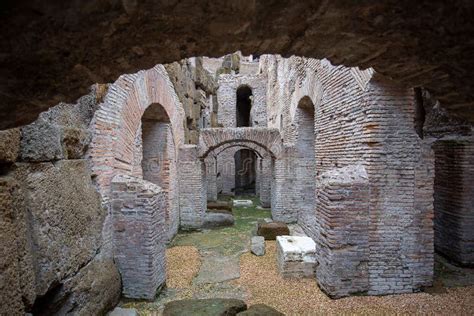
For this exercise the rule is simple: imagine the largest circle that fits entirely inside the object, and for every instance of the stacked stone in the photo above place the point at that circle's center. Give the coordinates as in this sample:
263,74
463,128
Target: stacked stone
139,235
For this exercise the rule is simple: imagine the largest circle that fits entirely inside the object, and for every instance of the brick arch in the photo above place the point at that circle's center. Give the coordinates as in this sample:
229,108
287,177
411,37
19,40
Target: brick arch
259,150
117,122
267,138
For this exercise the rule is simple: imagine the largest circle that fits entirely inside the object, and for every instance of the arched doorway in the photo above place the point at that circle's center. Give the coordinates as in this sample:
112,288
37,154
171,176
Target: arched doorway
245,172
244,106
306,165
159,161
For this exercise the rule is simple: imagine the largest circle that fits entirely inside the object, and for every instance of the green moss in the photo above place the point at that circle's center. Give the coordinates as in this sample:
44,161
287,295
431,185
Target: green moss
227,240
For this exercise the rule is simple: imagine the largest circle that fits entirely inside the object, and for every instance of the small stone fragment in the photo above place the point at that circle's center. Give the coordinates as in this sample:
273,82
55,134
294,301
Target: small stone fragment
258,245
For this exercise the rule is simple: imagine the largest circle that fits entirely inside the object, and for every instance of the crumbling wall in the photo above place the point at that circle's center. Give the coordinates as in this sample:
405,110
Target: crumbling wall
196,89
53,219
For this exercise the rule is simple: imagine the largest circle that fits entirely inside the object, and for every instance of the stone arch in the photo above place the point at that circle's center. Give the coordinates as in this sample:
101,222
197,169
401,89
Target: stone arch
116,156
157,161
264,171
117,122
305,160
266,138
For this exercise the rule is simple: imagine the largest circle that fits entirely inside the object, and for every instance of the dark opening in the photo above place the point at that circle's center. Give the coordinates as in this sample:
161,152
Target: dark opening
244,105
245,172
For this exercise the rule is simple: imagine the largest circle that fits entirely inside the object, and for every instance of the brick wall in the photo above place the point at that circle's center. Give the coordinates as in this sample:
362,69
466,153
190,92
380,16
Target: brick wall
341,224
139,235
454,199
116,127
192,191
360,119
227,99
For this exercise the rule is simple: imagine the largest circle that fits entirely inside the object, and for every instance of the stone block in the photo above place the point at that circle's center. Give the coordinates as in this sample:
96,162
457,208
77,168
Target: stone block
9,145
95,289
74,142
41,141
218,219
257,245
221,205
271,230
212,306
296,256
242,203
260,310
64,221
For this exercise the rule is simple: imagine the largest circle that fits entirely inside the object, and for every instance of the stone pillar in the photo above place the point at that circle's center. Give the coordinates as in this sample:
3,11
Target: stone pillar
454,199
342,246
283,187
211,178
266,181
258,175
139,235
192,188
226,163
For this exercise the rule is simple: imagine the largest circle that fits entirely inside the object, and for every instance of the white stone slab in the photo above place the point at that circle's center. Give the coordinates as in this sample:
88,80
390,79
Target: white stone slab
238,203
296,256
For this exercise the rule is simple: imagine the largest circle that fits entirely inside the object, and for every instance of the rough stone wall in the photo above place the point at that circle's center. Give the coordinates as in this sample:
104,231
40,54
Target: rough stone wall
138,208
53,218
196,89
369,124
227,99
454,199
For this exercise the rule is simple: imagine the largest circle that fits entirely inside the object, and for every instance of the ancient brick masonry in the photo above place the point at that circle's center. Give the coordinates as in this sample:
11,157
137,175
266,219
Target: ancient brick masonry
356,116
192,195
454,199
227,99
139,235
342,201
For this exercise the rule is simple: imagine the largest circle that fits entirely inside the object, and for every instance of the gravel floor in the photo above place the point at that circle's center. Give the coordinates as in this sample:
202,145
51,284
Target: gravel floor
182,265
303,297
